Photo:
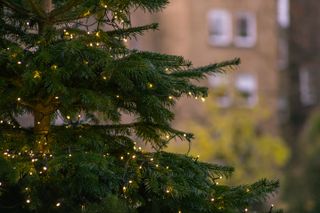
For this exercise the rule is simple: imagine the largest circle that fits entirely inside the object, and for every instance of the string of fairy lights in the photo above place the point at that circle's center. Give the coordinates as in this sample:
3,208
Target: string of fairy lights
133,156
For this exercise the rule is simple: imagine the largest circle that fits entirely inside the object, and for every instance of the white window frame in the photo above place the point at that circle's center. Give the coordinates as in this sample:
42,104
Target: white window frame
251,39
221,80
223,16
244,85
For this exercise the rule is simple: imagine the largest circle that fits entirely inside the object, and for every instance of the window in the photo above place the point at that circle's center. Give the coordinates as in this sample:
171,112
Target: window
245,30
246,86
283,13
307,94
220,30
220,84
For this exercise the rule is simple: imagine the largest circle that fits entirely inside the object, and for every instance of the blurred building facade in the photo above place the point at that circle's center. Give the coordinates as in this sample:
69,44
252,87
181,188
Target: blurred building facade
302,74
216,30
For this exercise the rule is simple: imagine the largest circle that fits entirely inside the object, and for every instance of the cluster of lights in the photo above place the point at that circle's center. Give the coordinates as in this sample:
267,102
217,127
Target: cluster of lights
9,123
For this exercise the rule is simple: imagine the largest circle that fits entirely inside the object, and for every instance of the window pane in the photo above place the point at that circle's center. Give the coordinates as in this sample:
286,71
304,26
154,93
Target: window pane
243,27
245,30
246,86
219,24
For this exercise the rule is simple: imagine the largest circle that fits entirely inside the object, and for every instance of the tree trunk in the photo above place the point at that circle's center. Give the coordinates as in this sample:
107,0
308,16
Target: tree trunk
42,119
41,123
46,5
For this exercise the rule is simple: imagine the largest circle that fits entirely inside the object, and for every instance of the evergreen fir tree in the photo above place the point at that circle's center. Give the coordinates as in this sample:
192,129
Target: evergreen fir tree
68,59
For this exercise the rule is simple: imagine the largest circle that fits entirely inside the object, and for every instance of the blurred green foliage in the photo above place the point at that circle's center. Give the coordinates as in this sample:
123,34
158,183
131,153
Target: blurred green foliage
303,179
236,136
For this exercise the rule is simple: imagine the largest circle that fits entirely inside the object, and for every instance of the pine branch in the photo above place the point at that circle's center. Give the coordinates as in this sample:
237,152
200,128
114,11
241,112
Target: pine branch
37,8
133,31
16,7
198,73
64,8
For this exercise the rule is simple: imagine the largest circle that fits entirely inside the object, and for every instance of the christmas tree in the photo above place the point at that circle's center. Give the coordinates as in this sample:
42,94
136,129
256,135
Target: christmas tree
67,60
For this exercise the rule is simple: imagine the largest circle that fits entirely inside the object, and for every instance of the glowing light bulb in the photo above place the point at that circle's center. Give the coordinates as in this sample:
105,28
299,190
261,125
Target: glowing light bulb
19,99
36,74
86,13
58,204
28,201
54,67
